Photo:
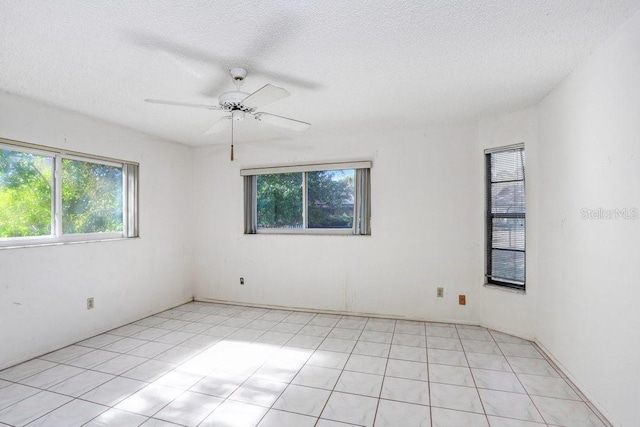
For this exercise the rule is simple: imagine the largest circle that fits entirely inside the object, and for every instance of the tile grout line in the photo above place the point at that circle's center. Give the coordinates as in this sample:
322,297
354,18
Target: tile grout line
426,351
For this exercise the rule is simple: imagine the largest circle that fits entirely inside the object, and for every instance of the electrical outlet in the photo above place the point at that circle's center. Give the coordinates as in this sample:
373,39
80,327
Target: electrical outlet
462,299
440,293
89,303
242,280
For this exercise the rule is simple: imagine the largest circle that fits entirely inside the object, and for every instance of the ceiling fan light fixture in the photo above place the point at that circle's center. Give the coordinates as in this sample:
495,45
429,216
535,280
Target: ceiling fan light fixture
237,115
238,73
230,101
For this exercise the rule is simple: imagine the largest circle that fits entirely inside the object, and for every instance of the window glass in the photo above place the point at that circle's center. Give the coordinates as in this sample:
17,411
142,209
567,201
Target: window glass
507,165
25,194
91,197
279,201
507,266
508,233
506,214
330,199
507,197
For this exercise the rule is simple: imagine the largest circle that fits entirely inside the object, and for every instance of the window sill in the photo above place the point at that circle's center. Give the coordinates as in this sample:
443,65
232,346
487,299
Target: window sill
505,288
62,243
308,232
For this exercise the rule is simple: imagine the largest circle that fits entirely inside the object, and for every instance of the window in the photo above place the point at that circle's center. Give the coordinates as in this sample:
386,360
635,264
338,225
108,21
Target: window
505,229
329,198
51,196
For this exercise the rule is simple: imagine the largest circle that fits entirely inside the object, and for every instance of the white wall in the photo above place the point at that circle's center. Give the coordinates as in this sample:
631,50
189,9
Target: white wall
502,309
424,226
589,270
43,290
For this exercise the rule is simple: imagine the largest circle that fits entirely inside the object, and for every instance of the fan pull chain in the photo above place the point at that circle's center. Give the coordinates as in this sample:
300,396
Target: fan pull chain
232,138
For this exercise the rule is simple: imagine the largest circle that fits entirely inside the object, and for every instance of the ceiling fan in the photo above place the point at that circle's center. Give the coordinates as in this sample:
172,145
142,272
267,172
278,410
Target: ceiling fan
241,104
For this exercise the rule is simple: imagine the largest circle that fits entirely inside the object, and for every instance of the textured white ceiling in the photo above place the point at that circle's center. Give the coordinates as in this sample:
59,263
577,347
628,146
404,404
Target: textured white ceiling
374,64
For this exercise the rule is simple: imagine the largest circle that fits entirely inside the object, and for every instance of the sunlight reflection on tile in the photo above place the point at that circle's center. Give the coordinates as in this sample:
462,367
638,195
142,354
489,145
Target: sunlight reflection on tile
189,408
116,417
234,414
149,400
258,391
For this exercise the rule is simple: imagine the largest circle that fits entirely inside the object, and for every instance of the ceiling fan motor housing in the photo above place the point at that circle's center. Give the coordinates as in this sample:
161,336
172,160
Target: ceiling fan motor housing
232,101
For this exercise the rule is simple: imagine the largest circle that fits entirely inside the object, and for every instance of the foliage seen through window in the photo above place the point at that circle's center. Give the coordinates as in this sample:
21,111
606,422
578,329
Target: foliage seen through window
25,194
91,197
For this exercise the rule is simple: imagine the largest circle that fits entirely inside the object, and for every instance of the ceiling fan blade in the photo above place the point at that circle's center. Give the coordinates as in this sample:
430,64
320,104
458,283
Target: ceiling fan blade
152,42
219,125
282,121
265,95
183,104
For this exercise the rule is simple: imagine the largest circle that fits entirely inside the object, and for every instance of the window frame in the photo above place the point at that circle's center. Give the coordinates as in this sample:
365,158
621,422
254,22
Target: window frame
250,175
130,177
490,216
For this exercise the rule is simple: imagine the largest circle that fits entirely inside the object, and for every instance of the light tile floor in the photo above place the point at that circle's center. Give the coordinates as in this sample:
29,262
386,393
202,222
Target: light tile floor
205,364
